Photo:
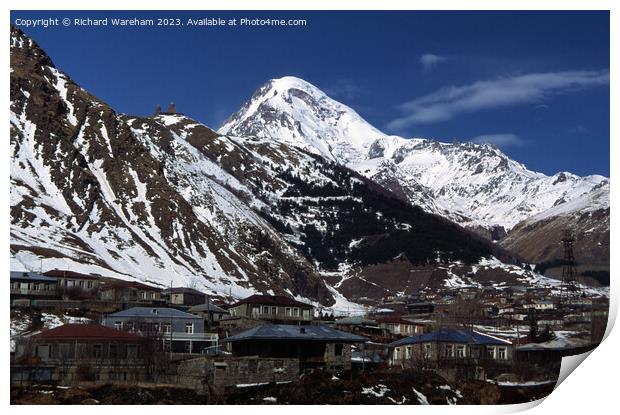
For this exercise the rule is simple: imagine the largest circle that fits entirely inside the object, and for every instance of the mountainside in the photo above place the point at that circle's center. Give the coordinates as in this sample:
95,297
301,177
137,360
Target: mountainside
165,198
92,192
538,239
474,185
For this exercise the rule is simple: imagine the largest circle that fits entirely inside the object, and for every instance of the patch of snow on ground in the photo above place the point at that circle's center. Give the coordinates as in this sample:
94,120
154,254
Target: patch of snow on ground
380,391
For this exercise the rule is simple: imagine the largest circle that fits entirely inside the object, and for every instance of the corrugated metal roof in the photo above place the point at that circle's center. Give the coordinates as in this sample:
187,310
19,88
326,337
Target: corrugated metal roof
152,312
182,290
452,335
207,307
355,321
289,332
115,283
86,331
30,276
59,273
278,300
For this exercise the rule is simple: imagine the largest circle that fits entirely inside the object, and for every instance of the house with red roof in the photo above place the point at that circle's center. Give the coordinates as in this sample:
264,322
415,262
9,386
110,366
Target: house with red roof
89,353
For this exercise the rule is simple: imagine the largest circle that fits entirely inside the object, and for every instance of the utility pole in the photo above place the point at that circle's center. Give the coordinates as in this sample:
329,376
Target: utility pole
170,311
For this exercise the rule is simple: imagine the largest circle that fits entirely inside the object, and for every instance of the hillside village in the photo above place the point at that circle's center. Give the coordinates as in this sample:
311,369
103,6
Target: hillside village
295,255
75,330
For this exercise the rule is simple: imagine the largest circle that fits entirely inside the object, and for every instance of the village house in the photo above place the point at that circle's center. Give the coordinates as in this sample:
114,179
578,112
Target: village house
359,325
398,326
77,353
273,308
539,305
69,280
129,292
315,346
420,307
448,347
211,314
183,296
30,285
171,326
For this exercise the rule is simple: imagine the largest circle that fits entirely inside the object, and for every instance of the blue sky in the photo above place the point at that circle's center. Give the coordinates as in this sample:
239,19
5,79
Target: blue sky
534,83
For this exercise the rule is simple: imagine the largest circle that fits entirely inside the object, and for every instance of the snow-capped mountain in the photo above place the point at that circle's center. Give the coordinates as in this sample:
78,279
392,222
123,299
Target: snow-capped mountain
165,199
294,111
472,184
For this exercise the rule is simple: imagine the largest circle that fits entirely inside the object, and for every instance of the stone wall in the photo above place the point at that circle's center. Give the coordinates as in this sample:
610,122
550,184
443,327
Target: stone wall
220,373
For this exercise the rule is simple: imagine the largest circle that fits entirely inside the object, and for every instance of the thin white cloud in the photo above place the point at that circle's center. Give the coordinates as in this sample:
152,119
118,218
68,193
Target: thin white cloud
345,89
448,102
429,60
500,140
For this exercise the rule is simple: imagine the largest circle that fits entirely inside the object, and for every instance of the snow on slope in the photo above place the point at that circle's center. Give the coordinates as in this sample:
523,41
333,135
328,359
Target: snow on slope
127,197
294,111
475,185
596,199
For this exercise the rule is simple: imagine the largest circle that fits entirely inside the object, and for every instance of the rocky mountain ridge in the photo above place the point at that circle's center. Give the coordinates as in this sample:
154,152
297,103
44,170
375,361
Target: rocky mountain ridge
475,185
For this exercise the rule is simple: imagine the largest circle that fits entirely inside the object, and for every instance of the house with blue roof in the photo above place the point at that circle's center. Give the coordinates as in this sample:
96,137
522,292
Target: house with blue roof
316,346
180,331
449,347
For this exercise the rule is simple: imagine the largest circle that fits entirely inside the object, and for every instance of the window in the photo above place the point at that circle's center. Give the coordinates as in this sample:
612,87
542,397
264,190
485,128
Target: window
118,325
408,352
274,310
338,349
428,350
167,328
189,328
188,347
35,286
132,351
501,353
265,310
129,326
491,352
288,311
97,349
396,353
81,283
460,350
449,350
113,351
90,284
306,314
295,312
152,295
255,310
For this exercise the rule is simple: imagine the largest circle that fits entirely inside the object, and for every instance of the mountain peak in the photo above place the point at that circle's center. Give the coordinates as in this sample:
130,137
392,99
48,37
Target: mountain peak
294,111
